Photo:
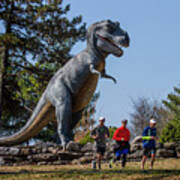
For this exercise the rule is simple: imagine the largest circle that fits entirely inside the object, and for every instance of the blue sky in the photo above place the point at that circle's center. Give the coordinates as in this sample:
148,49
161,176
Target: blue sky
150,67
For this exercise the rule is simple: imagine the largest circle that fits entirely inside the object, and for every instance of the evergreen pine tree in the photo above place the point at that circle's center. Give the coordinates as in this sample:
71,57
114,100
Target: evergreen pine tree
173,102
36,38
171,131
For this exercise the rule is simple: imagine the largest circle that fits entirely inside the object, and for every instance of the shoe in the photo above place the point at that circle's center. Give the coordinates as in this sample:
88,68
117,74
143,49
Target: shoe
93,164
110,163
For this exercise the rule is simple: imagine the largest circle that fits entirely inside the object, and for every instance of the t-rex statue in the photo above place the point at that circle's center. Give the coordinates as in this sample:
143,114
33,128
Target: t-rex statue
71,88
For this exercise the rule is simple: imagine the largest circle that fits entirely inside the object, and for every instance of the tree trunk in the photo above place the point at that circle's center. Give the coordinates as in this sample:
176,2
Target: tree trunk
1,76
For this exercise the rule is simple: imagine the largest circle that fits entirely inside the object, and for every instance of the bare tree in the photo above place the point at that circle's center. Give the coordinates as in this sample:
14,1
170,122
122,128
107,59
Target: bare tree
144,110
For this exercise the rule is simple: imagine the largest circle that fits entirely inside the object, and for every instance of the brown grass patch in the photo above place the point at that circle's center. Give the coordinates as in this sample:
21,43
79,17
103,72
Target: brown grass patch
168,169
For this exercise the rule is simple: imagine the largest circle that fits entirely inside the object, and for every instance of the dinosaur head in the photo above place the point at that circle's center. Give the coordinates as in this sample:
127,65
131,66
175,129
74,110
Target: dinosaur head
107,37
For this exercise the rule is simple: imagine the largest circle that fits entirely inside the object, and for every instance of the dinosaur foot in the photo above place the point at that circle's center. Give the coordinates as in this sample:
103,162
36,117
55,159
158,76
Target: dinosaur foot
64,147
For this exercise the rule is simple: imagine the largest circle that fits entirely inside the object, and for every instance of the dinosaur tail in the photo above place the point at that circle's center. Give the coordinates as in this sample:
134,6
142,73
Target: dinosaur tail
41,116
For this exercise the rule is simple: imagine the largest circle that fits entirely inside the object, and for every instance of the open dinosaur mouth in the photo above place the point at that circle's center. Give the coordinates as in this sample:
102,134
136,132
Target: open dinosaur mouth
110,41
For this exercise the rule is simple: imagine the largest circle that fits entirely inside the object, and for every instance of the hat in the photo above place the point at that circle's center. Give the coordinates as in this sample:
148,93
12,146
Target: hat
101,118
152,121
124,121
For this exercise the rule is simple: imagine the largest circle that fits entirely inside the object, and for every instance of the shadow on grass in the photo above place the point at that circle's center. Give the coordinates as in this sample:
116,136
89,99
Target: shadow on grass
89,172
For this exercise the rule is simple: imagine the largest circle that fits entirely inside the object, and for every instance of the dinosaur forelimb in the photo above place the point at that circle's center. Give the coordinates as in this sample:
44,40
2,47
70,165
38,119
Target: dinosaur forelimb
93,70
104,75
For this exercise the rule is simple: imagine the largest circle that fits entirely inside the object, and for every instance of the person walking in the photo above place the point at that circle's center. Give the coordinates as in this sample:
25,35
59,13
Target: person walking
122,137
149,143
100,135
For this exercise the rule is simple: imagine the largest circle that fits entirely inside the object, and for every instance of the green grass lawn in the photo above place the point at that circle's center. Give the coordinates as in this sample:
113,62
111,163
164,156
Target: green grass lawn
163,169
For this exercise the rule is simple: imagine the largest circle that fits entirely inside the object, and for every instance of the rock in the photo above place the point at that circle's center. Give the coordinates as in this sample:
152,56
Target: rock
135,147
49,153
136,155
4,151
178,144
89,147
69,155
53,150
110,146
42,163
42,157
84,160
178,152
44,149
9,151
73,146
159,145
75,162
166,153
24,151
34,150
137,140
108,155
2,161
88,154
61,162
170,145
14,151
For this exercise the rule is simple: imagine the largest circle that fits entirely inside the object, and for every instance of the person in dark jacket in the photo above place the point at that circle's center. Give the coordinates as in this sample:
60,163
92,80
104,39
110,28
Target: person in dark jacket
100,134
122,137
149,143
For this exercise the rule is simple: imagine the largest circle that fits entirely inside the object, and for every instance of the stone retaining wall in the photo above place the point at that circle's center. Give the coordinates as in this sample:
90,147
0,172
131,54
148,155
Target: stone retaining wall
49,153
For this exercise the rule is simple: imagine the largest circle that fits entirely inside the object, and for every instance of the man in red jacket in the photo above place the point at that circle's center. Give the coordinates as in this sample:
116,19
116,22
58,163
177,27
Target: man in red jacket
122,137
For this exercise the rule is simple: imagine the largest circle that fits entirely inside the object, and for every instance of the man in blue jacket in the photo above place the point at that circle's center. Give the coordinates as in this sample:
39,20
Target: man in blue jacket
149,143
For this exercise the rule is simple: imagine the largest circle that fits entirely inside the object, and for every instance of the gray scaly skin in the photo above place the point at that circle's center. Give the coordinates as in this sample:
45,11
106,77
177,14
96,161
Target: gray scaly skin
72,87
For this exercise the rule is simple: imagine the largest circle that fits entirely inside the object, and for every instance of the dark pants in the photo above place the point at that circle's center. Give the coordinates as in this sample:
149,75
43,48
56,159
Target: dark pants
149,151
100,150
121,150
117,158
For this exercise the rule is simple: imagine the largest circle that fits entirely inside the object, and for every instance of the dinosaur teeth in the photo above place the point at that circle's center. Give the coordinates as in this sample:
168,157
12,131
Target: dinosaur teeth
119,46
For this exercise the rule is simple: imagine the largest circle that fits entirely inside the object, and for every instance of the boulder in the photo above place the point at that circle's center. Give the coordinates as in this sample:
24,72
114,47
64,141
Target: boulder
135,147
137,140
88,154
166,153
108,155
73,146
170,145
159,145
9,151
136,155
2,161
89,147
69,155
178,152
110,145
60,162
42,163
42,157
53,150
76,162
83,160
24,152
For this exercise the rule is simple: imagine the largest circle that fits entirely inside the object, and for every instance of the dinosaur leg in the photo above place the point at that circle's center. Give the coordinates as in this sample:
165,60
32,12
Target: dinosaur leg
64,119
63,107
75,119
